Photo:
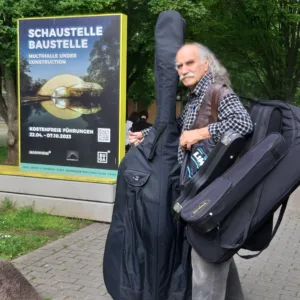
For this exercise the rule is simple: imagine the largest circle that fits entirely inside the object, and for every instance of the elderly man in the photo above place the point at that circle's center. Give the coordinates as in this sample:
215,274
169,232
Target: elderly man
198,68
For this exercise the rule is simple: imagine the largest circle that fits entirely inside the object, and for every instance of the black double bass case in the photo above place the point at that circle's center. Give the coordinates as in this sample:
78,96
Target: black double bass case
147,256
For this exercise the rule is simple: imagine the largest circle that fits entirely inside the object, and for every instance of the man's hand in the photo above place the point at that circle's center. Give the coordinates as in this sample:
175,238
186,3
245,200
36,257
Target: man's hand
190,137
135,138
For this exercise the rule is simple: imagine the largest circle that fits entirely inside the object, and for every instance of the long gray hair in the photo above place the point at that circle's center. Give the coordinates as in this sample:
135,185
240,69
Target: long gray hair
218,71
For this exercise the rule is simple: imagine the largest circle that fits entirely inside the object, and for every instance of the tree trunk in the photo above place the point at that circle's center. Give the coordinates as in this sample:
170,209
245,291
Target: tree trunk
12,119
3,107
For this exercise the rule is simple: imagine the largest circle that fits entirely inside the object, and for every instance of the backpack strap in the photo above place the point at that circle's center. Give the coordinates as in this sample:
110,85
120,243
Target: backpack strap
219,91
278,222
215,102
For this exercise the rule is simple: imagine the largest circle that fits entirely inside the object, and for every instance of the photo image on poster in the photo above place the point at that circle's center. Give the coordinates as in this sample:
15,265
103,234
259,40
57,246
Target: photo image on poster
70,94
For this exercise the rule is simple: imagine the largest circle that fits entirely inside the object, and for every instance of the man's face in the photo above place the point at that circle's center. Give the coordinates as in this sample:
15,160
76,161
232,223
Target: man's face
189,66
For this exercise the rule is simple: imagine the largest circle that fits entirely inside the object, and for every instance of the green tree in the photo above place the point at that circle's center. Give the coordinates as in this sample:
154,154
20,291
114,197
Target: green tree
142,16
259,41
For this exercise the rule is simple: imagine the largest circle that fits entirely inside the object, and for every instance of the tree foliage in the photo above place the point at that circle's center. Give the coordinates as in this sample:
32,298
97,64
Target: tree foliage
142,16
259,41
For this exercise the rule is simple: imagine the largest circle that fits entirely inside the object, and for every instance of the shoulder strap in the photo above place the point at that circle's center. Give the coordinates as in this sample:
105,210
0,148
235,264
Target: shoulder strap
215,101
218,92
278,222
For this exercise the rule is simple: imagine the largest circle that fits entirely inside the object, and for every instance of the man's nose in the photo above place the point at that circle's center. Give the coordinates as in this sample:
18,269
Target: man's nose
185,70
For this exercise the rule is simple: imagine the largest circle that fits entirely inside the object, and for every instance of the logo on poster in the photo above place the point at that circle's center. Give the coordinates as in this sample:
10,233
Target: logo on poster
33,152
72,155
102,157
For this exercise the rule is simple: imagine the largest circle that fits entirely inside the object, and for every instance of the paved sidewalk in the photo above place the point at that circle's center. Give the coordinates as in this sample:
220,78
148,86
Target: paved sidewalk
71,268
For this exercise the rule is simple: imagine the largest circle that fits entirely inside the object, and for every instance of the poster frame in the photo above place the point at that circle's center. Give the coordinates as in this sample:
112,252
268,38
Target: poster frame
122,99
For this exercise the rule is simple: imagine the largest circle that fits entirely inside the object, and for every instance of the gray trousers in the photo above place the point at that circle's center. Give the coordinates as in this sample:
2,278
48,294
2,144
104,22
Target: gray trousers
215,281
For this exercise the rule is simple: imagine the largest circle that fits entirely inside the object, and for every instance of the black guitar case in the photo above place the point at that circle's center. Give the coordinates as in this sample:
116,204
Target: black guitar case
147,256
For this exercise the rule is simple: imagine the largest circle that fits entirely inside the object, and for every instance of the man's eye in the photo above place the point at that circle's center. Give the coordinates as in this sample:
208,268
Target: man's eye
179,67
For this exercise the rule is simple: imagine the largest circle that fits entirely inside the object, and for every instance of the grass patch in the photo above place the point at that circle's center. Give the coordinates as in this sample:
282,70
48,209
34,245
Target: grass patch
3,154
13,245
23,230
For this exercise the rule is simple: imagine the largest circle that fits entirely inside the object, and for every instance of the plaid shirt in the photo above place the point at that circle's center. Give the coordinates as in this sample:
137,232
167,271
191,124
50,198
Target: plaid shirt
231,114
